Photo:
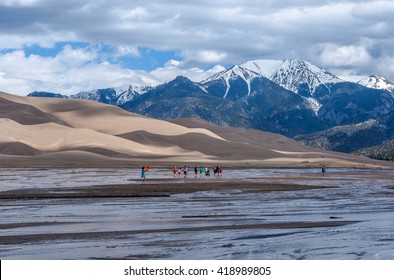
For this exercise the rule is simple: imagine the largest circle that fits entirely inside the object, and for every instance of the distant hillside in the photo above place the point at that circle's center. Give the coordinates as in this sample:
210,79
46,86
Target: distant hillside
347,138
383,151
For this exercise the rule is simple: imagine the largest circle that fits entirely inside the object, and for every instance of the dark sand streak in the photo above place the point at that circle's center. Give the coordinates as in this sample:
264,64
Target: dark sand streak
37,224
20,239
145,189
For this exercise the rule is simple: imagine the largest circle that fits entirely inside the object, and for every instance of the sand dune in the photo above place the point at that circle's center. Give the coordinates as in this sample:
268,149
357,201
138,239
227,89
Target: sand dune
67,132
80,113
52,137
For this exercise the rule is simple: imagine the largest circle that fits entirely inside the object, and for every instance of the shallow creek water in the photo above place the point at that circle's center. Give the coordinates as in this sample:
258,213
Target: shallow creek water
201,225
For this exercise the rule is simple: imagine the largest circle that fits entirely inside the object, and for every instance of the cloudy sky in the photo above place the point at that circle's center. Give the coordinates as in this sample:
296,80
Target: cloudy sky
75,45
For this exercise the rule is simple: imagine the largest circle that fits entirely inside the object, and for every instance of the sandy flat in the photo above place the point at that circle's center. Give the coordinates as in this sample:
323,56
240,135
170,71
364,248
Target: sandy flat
156,189
297,213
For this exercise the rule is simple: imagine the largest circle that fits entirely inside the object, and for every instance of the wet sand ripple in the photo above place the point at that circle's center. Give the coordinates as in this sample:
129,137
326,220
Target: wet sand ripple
20,239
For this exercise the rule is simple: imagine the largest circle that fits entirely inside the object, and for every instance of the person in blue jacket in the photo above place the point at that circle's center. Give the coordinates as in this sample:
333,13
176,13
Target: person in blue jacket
323,170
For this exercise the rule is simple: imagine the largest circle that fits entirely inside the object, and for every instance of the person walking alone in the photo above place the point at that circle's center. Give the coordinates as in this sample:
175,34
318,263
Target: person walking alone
323,170
143,173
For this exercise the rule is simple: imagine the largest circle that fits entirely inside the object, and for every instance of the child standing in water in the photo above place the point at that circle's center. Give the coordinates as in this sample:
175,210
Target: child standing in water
323,170
201,171
143,173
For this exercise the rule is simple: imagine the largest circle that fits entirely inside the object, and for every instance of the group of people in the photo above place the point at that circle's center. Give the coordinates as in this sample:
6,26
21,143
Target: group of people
204,171
179,171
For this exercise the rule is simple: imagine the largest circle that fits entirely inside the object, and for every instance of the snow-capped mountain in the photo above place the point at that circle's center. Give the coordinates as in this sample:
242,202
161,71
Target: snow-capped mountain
113,96
125,94
377,82
228,76
298,76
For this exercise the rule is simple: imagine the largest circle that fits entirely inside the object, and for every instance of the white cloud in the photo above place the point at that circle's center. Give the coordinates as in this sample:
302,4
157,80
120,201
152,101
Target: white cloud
385,67
339,34
130,14
13,41
331,55
72,70
19,2
204,56
173,63
127,51
74,57
174,68
372,10
78,69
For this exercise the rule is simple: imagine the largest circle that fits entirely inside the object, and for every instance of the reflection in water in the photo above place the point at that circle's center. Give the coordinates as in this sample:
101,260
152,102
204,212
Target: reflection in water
308,224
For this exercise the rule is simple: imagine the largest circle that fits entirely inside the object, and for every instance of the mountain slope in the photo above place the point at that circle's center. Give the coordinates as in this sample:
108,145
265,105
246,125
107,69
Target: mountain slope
383,151
278,110
377,82
349,103
182,98
46,94
347,138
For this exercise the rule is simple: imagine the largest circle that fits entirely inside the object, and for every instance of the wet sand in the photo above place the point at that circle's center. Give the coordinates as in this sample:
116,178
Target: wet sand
6,240
274,214
153,188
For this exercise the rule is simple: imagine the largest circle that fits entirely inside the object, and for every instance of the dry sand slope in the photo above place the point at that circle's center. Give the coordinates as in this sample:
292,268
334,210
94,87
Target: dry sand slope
46,132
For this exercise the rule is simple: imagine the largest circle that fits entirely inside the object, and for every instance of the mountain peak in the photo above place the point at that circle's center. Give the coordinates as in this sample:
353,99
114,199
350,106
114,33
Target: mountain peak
182,82
231,74
292,73
377,82
46,94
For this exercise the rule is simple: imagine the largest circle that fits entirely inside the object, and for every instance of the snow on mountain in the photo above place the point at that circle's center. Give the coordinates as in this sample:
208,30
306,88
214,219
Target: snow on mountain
100,95
291,74
233,73
297,76
127,93
377,82
314,104
263,67
114,96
